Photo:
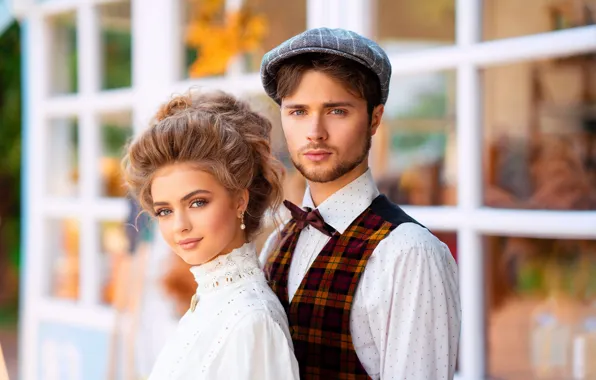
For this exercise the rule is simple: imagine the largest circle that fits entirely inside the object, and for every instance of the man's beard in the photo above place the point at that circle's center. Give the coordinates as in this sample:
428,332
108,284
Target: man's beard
341,169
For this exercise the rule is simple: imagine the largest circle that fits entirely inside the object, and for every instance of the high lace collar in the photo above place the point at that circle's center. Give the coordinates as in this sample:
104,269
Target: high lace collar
227,269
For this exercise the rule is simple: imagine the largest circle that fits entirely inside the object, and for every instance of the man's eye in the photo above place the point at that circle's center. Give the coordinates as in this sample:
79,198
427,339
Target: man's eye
338,112
298,112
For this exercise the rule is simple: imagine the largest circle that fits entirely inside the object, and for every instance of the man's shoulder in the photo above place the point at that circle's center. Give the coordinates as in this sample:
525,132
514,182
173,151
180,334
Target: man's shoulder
411,239
390,212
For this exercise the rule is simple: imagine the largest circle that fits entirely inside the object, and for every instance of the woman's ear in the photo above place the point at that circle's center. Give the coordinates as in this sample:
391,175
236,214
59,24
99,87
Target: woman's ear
242,201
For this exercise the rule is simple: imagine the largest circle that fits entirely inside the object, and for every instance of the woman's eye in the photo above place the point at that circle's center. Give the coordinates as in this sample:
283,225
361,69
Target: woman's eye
163,212
198,203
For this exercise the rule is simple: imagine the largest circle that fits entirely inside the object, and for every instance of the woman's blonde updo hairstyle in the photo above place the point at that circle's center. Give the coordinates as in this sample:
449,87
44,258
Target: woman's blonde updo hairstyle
221,135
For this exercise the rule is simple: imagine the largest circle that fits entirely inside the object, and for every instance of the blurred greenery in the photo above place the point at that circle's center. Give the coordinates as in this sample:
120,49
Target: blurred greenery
65,28
114,138
72,59
429,106
117,59
190,55
10,105
10,168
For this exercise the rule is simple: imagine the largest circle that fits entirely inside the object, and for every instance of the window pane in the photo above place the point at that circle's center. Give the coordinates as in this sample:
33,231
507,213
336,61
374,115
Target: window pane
282,20
214,39
63,254
62,54
541,299
512,18
404,25
116,130
63,156
116,45
115,263
414,155
540,135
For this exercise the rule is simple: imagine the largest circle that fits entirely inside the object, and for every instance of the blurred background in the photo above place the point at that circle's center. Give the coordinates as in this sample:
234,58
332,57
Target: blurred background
489,139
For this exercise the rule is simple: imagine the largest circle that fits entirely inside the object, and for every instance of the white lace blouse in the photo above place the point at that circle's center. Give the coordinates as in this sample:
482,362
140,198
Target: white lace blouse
238,330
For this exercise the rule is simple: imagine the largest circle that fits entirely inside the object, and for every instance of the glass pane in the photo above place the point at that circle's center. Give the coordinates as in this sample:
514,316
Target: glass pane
115,263
116,130
414,151
540,135
281,21
215,40
512,18
541,299
63,254
405,25
63,158
116,45
62,56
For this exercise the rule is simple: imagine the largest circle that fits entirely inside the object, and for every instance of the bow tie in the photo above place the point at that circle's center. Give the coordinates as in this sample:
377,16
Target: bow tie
312,217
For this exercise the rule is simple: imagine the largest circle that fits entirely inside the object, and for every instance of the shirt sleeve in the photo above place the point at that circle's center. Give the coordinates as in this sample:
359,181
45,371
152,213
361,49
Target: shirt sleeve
257,349
417,307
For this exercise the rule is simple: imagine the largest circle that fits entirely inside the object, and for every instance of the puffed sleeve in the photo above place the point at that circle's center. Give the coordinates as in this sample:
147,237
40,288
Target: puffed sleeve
257,349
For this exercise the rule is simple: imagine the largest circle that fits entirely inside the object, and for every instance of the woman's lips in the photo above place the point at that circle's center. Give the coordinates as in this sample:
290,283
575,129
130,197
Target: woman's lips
189,243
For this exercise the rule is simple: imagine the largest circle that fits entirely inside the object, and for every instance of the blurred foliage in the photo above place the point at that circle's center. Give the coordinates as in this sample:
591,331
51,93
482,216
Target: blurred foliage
218,36
430,105
114,138
117,59
10,107
10,169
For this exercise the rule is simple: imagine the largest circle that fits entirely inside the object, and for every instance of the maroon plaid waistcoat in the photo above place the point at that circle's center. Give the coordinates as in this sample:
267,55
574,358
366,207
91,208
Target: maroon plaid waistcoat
319,314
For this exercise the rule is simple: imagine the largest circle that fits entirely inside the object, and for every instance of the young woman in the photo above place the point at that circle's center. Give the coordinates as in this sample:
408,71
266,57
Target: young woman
204,169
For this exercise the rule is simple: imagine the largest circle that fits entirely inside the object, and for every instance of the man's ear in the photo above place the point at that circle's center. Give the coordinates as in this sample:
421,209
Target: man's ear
377,116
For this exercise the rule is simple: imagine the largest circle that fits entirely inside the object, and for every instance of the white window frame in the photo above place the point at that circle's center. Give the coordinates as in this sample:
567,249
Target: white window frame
155,71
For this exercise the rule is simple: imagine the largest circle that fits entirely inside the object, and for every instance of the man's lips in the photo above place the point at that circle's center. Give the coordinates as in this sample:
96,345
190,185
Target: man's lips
317,154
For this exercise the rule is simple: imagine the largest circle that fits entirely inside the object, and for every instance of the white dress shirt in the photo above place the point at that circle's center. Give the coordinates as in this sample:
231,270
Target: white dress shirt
238,330
405,318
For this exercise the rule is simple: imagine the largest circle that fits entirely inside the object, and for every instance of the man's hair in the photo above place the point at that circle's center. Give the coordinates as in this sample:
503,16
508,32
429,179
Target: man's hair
357,79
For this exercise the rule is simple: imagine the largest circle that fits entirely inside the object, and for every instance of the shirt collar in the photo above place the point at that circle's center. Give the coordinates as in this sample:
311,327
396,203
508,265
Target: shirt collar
341,208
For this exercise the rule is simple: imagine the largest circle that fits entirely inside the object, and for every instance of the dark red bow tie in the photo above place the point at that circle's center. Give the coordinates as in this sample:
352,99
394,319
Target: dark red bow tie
312,217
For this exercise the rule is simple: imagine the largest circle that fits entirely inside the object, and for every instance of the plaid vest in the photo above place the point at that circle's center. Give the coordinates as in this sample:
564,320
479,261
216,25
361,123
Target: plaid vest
319,314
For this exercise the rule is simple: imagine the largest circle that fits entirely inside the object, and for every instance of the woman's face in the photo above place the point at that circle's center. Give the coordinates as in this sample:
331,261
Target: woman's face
198,217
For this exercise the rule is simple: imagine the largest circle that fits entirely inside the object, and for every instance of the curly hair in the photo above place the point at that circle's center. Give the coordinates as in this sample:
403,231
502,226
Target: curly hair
219,134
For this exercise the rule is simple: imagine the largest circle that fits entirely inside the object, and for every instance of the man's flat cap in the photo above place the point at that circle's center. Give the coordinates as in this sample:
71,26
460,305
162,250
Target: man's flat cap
341,42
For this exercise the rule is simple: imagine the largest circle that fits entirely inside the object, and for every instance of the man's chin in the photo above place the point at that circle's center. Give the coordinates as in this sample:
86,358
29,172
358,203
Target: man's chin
320,174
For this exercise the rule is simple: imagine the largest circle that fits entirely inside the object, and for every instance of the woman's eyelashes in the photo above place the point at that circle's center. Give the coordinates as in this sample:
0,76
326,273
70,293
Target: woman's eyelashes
197,203
162,212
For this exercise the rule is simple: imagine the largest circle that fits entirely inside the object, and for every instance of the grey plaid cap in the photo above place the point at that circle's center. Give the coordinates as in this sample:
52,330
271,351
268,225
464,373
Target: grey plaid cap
341,42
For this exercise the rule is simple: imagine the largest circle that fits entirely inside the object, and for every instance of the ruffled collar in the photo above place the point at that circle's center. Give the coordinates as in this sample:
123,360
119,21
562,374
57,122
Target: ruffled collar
226,270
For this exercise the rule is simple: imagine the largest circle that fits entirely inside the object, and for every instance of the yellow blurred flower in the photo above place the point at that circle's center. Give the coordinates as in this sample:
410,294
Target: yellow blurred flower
218,38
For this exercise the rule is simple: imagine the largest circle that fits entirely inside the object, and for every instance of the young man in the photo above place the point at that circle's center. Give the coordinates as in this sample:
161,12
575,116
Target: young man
369,292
